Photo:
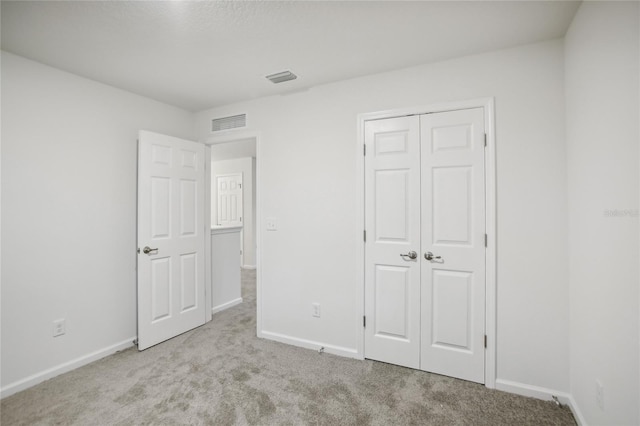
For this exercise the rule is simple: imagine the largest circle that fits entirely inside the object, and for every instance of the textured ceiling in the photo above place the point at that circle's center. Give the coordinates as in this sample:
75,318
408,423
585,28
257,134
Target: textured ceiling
198,55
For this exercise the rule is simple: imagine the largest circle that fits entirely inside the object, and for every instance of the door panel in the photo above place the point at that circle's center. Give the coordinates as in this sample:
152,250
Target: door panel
188,207
392,302
392,282
160,207
189,281
160,288
392,216
451,304
453,227
451,205
170,221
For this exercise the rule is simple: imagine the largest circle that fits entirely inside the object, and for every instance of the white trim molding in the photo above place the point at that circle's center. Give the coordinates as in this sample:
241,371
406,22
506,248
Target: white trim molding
226,305
208,287
310,344
542,393
40,377
488,104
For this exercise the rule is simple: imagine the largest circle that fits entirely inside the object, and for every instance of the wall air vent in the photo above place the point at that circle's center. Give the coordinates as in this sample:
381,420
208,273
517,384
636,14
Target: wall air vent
228,123
281,76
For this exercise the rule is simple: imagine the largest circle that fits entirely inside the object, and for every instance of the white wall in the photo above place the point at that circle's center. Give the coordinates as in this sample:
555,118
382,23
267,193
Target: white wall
308,179
69,214
226,288
246,166
602,88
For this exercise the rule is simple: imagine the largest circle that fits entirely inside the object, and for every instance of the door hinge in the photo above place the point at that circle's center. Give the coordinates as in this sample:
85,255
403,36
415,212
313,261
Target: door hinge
240,219
240,185
485,139
364,235
485,341
364,321
485,240
364,151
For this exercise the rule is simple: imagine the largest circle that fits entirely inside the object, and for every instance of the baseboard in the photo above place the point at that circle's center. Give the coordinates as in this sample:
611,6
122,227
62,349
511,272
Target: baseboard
248,266
33,380
542,393
227,305
310,344
577,414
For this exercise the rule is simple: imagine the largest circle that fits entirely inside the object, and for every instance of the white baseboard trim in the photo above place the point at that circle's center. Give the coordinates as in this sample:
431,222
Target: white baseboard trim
227,305
40,377
542,393
310,344
248,267
577,414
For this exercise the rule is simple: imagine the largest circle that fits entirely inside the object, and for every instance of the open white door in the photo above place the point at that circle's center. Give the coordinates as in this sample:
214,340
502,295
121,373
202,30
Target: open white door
171,239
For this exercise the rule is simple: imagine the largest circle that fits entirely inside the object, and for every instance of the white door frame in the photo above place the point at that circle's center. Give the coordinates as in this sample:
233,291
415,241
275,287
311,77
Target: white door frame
231,136
490,205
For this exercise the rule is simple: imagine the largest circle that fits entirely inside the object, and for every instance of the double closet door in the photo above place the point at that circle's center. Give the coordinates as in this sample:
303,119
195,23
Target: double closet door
425,242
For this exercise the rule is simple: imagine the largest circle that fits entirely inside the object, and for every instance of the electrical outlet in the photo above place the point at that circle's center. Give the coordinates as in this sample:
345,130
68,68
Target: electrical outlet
59,327
600,394
315,310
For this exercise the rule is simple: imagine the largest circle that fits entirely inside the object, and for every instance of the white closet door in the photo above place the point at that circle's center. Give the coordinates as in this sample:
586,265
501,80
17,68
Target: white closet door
453,230
392,277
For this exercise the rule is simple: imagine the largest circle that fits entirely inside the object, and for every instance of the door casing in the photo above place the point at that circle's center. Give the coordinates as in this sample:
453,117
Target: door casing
488,104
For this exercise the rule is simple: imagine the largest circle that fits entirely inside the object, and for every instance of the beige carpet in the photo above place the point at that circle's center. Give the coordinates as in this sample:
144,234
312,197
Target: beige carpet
221,374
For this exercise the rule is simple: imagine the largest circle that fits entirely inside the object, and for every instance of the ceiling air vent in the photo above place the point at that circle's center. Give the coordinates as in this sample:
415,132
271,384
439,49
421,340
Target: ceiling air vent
227,123
281,76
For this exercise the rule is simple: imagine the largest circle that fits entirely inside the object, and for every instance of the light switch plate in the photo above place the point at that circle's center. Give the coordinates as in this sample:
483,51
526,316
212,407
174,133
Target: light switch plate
271,224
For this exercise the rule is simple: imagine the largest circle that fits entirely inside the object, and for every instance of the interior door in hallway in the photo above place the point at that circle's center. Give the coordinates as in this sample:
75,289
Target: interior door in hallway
229,199
392,245
453,236
171,238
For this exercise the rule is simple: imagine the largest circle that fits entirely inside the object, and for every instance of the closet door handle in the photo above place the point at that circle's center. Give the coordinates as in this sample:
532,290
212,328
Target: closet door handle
429,256
411,255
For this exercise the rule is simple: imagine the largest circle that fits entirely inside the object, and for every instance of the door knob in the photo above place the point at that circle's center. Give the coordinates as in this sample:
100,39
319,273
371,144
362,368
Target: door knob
429,256
411,255
148,250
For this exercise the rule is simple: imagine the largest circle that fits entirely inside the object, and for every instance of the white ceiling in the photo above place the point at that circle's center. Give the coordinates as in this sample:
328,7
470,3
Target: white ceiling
198,55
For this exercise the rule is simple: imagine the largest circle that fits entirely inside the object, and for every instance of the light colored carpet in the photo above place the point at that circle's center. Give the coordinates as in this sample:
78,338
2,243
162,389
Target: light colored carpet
221,374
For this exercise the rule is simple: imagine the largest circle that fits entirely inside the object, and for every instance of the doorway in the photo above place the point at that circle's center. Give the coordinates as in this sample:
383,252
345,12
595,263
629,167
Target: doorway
428,249
239,151
174,187
233,192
